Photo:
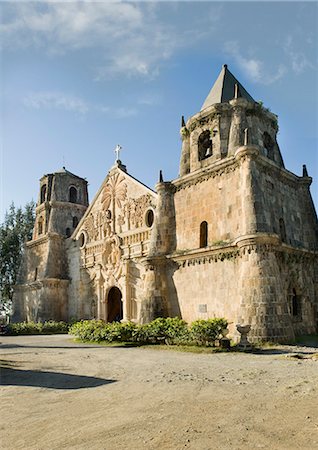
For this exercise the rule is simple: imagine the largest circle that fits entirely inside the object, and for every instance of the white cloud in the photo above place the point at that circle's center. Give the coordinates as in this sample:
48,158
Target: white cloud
70,103
129,38
297,59
55,100
254,68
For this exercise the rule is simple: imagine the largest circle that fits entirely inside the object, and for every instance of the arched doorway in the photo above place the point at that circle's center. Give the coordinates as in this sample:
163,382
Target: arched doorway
114,305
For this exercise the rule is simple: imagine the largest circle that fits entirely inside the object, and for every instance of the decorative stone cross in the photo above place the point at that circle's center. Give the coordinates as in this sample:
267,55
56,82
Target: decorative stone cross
117,151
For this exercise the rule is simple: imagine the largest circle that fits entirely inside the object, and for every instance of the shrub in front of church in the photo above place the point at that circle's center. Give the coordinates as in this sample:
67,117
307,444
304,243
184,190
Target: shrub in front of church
99,331
171,331
162,331
49,327
206,332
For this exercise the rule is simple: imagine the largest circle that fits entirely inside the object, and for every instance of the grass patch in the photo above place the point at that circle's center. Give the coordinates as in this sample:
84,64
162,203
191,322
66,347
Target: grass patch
106,343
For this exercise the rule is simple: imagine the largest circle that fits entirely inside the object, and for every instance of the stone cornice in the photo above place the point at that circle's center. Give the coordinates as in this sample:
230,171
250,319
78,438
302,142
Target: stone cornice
225,165
259,243
58,204
44,239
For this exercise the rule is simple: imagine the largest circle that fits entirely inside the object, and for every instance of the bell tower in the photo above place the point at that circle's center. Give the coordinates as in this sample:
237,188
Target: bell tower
42,289
62,201
229,118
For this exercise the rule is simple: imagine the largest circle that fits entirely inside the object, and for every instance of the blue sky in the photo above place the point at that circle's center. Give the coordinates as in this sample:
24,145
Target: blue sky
78,78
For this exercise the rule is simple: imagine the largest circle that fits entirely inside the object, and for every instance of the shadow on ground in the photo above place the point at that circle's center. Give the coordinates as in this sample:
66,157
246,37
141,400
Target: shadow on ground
51,380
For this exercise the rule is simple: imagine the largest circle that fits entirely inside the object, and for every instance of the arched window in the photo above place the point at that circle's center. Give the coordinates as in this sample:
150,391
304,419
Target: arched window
282,230
75,222
68,232
268,145
205,145
40,226
203,234
43,194
73,194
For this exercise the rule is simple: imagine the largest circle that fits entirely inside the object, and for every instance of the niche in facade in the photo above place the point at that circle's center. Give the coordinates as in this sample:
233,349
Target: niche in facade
205,149
40,226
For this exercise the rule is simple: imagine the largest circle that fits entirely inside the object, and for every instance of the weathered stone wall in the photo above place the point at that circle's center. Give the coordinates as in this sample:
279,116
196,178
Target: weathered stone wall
283,204
250,284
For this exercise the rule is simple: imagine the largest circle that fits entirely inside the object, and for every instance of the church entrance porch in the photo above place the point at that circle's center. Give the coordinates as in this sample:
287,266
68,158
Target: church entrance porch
114,305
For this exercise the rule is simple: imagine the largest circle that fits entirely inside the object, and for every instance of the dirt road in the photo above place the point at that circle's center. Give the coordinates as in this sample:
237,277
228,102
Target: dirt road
59,395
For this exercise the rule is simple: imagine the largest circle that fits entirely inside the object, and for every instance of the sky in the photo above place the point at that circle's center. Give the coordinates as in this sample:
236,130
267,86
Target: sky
78,78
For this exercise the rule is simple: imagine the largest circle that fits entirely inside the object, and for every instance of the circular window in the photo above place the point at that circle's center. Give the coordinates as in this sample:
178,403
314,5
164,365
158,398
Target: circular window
150,217
82,240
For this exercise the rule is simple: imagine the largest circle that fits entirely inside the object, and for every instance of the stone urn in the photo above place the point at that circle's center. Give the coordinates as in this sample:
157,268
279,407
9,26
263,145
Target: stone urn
244,344
225,341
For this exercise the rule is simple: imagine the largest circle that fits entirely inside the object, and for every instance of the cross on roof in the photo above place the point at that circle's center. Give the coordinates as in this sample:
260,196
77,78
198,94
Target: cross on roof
117,151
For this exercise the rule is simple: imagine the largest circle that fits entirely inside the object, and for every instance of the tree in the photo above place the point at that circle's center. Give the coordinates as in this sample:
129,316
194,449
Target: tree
14,232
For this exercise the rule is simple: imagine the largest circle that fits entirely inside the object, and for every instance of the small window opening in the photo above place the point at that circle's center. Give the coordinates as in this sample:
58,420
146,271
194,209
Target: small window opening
295,304
68,232
73,194
40,225
35,274
43,193
75,222
149,218
108,214
205,148
268,145
203,234
282,230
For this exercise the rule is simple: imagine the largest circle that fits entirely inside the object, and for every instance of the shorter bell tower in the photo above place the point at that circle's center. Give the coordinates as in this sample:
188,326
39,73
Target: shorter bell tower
41,291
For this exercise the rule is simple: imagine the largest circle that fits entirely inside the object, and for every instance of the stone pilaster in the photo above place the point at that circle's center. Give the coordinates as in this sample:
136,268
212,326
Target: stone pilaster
238,124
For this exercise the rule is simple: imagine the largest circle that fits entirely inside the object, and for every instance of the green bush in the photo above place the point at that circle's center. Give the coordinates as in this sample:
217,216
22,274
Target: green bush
206,332
49,327
159,331
98,330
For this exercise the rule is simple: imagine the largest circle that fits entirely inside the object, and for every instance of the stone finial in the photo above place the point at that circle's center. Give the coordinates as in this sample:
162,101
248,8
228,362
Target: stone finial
246,136
305,172
183,124
236,90
160,176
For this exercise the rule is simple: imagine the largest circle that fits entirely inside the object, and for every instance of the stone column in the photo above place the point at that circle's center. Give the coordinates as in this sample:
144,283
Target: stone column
163,235
126,294
162,242
185,152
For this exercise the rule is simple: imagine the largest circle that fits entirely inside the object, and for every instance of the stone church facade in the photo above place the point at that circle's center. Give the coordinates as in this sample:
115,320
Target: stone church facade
234,236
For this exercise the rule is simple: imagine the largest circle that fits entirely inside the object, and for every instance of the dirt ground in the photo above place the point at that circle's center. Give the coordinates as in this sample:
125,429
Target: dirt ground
59,395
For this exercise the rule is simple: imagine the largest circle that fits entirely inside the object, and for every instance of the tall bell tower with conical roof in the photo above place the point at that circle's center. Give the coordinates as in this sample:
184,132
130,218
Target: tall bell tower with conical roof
229,118
235,234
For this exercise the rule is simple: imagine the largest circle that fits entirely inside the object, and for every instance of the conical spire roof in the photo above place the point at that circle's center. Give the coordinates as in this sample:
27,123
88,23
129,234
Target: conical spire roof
223,89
